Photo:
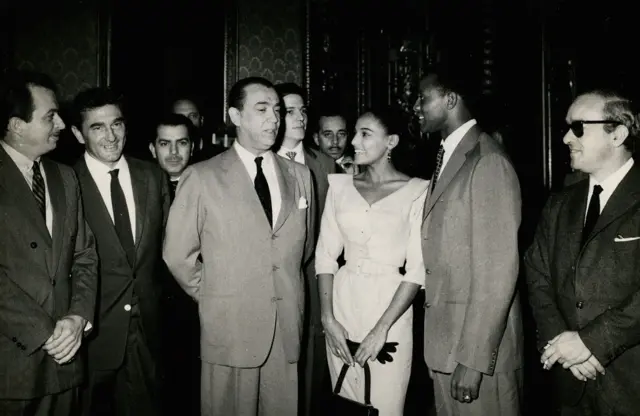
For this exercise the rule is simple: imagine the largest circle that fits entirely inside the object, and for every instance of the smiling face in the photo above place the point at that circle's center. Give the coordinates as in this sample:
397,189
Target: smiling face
431,107
371,142
258,120
103,132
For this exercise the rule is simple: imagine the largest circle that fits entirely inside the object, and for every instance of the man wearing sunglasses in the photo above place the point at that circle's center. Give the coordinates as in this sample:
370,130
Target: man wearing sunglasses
583,268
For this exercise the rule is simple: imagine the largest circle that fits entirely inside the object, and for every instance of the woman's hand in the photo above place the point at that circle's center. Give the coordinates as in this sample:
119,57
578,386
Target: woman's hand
371,345
337,339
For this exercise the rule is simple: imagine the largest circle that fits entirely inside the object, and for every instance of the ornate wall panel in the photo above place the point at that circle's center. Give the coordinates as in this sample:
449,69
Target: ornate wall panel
68,43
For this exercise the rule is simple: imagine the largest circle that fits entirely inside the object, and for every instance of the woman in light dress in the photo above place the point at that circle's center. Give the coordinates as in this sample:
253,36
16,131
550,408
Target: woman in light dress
375,216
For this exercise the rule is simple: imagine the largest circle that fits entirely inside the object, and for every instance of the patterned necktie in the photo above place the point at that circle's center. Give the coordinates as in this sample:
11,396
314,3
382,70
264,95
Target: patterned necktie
121,219
593,212
262,189
292,155
436,173
38,188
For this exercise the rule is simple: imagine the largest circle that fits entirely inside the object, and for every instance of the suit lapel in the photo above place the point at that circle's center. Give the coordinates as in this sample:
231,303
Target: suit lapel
572,216
55,186
626,195
140,191
286,180
16,186
454,164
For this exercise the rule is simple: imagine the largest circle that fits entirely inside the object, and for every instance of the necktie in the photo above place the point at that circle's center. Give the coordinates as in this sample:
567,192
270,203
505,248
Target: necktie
593,212
38,188
121,218
292,155
173,185
262,189
436,173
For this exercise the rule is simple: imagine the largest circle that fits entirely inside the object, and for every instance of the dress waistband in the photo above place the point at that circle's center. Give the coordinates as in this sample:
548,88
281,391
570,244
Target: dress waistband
368,266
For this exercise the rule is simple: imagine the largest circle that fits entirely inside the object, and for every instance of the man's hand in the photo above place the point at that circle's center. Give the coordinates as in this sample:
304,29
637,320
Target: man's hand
566,349
588,369
465,384
65,341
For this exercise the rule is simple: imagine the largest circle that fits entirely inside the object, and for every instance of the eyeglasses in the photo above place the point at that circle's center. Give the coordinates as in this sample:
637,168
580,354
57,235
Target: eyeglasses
577,127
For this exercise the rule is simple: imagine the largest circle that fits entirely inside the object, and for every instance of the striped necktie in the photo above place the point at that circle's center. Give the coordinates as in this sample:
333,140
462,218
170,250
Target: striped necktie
38,188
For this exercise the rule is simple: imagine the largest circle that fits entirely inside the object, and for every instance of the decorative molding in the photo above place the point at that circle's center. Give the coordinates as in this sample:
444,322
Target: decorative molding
231,53
103,55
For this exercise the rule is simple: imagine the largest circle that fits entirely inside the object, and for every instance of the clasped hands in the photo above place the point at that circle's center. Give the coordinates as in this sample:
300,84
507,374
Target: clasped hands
373,347
65,341
568,349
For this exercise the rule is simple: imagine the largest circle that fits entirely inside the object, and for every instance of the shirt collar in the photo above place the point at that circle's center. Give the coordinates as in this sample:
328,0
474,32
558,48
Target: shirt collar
611,183
98,168
248,158
24,163
451,141
298,148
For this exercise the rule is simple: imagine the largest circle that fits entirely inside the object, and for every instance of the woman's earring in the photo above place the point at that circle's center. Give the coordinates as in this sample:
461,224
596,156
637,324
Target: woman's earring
389,155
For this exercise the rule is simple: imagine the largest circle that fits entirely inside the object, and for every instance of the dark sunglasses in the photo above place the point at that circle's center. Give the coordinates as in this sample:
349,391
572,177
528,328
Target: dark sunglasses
577,127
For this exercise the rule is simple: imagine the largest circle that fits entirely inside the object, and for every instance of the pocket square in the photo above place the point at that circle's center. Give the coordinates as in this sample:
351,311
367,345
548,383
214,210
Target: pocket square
621,239
302,203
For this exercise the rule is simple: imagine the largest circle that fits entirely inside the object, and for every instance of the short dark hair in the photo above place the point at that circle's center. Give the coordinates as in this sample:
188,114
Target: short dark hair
238,92
16,99
290,88
92,98
394,120
175,120
451,79
325,110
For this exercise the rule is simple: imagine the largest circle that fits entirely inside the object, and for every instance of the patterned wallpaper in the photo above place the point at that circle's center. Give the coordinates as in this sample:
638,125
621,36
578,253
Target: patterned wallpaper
63,43
270,39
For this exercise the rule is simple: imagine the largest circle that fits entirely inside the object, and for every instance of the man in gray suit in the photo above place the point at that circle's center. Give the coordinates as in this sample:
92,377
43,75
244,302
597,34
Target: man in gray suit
48,261
473,328
247,212
583,266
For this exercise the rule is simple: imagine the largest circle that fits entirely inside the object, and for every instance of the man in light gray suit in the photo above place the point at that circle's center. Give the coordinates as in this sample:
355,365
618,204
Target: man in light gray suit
473,328
247,212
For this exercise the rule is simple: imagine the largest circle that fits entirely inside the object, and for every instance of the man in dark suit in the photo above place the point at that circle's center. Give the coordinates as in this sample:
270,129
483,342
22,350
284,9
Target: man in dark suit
127,201
171,147
332,138
48,261
473,324
583,266
314,360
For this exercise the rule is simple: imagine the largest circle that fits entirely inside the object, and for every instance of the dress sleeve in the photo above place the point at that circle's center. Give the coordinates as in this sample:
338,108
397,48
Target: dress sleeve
330,242
414,269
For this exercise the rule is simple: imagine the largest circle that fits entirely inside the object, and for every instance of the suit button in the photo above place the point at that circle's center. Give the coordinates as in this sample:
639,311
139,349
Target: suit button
33,244
14,339
427,305
276,268
127,307
19,345
24,348
274,236
579,304
427,271
573,268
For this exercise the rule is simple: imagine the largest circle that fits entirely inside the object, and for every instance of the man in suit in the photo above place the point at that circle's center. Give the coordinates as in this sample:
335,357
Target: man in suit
48,261
332,138
582,268
126,201
172,147
314,387
248,213
473,328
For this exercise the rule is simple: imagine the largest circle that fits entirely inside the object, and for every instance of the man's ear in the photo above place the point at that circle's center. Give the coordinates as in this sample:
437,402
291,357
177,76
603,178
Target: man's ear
78,135
452,100
16,125
620,135
235,116
152,149
316,139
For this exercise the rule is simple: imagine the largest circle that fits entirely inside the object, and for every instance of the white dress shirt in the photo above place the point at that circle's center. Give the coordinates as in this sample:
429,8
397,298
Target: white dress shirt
100,174
608,185
299,149
269,170
25,165
453,140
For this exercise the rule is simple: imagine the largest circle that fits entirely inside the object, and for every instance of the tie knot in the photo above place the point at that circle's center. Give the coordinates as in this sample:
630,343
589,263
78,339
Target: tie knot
597,189
36,166
114,173
258,161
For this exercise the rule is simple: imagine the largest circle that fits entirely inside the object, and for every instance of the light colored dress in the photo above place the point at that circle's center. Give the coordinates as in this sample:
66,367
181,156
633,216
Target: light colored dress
377,239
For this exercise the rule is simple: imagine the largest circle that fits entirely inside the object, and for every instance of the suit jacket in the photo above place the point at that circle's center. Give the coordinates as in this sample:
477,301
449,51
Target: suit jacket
470,250
320,166
594,290
118,279
249,271
42,279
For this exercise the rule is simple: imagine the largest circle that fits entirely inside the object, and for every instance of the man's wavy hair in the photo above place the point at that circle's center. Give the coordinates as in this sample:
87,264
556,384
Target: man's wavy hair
622,110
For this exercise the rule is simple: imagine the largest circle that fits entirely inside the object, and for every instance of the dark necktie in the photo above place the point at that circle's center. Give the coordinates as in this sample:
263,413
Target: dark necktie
436,173
121,218
593,212
292,155
173,185
262,189
38,188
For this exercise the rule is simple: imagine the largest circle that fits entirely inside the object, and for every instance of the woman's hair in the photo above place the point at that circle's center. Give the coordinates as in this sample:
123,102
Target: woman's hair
393,120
